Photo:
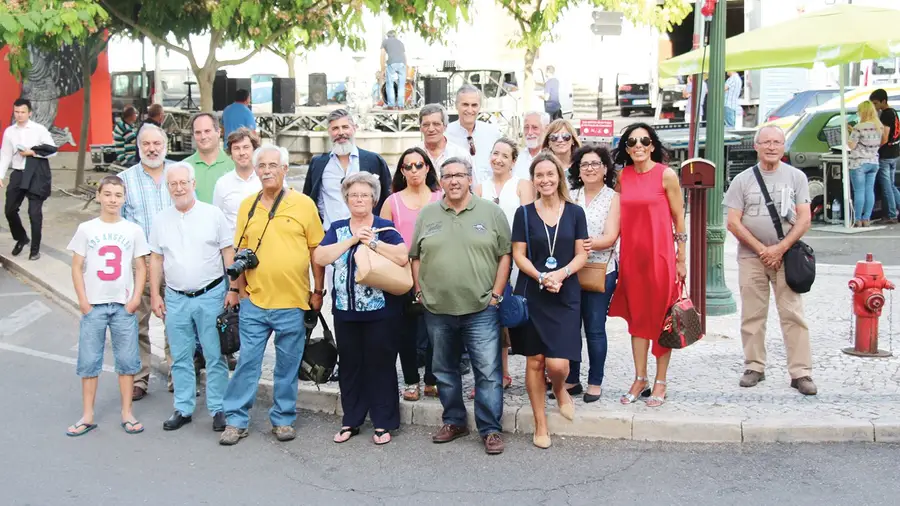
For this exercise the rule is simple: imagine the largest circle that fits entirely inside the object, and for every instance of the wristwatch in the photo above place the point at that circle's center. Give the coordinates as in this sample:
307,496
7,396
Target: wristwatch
498,298
233,289
568,272
541,280
320,292
373,244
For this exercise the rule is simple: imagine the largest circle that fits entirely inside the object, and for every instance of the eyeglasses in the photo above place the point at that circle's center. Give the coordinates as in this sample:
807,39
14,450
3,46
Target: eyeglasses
459,176
563,137
771,144
632,141
358,196
471,145
593,165
411,166
271,166
180,184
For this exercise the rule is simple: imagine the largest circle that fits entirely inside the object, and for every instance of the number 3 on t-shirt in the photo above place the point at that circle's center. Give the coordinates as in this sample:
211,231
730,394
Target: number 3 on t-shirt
113,256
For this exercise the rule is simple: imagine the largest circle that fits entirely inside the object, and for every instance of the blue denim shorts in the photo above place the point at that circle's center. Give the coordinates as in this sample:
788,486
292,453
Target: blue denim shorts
123,331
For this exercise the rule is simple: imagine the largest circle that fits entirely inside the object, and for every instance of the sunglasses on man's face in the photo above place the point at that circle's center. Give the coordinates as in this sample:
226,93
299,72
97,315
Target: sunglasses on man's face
564,137
471,145
632,141
417,166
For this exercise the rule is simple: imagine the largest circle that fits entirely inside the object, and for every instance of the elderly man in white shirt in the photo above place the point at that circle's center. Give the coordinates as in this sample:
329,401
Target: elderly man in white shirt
191,243
235,186
477,137
18,141
433,120
534,125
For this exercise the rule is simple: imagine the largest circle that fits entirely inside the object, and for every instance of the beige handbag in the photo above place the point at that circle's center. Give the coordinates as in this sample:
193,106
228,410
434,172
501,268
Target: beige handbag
592,277
377,271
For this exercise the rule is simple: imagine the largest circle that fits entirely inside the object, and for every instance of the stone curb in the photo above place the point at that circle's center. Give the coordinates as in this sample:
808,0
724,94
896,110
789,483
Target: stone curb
54,278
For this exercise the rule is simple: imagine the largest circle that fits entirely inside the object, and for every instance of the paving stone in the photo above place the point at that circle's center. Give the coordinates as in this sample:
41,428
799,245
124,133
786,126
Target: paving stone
887,431
687,429
807,430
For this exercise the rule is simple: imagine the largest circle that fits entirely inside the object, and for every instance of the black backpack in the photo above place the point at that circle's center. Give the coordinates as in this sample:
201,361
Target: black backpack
319,355
228,325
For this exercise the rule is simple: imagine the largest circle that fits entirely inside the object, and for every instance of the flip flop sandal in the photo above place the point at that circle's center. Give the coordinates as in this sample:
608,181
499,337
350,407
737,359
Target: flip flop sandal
352,431
380,433
81,429
129,427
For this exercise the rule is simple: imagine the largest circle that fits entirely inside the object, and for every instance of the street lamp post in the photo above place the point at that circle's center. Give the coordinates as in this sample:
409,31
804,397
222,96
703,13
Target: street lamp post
719,300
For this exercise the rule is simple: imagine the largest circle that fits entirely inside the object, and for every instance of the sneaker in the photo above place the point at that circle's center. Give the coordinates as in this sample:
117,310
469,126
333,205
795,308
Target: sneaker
449,432
232,435
751,378
493,444
284,433
804,385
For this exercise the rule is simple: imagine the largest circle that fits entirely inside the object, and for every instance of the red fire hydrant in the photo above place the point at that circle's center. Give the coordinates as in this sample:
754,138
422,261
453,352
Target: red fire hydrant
867,285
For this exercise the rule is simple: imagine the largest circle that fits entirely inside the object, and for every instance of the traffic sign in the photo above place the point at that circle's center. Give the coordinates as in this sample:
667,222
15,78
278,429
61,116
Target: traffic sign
597,131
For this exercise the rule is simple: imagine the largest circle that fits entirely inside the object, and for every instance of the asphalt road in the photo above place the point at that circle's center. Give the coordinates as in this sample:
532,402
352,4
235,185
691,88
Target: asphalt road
41,466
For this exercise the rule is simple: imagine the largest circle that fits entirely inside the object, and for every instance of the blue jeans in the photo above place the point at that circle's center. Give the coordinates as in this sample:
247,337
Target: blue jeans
887,169
862,179
480,333
395,73
730,117
123,334
187,320
256,324
594,307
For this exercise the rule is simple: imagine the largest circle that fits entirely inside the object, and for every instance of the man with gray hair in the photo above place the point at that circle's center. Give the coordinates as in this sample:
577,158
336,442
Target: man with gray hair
145,196
190,242
460,264
326,171
534,125
476,137
433,119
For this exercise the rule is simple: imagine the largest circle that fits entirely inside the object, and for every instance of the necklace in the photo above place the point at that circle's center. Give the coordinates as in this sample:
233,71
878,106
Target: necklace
551,262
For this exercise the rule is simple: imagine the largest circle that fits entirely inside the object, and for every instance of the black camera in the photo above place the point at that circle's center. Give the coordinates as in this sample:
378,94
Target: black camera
243,259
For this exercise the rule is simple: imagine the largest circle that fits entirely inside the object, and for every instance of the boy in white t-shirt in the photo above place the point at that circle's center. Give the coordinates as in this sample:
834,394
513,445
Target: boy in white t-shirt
109,275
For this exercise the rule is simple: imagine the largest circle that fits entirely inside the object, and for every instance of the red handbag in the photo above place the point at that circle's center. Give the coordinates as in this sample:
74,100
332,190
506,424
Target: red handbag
681,327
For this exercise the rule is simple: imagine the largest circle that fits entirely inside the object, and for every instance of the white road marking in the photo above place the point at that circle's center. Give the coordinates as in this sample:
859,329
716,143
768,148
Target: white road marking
22,318
49,356
18,294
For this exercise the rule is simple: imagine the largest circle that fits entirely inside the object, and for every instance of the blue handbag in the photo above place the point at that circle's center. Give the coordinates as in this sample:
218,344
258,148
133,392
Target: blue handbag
514,308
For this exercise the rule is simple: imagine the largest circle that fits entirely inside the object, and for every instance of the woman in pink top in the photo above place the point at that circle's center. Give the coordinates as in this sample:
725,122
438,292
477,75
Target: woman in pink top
415,185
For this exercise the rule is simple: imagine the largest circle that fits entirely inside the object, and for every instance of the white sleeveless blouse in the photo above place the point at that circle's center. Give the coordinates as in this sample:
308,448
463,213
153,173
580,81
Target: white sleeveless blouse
596,214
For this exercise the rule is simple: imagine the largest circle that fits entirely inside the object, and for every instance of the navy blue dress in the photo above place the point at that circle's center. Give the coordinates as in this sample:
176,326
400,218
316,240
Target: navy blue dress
555,317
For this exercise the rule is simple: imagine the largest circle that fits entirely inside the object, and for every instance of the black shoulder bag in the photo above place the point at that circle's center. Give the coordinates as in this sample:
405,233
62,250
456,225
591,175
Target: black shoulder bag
800,259
320,355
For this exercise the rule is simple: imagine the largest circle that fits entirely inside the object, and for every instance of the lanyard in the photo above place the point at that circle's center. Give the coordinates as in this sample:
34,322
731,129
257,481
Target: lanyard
556,232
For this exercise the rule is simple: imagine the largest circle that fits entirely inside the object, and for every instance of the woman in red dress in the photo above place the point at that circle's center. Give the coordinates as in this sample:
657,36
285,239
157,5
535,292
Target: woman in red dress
652,224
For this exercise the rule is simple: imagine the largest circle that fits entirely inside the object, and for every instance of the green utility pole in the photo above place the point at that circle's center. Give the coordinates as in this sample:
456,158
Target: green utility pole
719,300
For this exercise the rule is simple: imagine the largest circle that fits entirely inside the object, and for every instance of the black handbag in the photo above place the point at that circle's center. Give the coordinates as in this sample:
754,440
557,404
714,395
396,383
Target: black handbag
228,325
319,355
800,259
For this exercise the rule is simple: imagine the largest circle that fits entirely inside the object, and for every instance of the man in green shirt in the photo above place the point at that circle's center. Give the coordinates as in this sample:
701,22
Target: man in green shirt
209,161
460,263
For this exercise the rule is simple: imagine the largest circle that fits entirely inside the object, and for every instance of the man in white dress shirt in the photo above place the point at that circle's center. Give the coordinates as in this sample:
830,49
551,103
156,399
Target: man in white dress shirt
433,120
191,243
478,137
18,141
242,182
534,125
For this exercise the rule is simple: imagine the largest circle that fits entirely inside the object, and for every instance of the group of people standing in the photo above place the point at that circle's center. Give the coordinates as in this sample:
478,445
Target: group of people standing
874,144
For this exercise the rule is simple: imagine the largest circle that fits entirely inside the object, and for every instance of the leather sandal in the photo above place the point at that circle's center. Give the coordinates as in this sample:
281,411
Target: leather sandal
630,398
345,434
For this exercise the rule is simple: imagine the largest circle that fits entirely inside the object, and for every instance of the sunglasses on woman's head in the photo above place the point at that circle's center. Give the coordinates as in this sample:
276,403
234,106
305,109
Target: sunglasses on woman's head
471,145
564,137
632,141
411,166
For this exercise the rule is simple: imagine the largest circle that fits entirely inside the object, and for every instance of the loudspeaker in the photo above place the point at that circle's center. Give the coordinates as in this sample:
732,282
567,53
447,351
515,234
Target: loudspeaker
232,84
284,90
220,93
318,89
435,90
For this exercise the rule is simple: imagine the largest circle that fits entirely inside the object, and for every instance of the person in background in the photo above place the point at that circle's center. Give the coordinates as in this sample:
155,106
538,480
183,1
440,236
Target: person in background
477,137
592,179
125,136
732,98
562,140
534,125
689,110
433,121
209,161
19,141
864,142
415,185
238,114
651,272
155,115
393,66
760,265
364,317
552,105
888,154
234,187
108,272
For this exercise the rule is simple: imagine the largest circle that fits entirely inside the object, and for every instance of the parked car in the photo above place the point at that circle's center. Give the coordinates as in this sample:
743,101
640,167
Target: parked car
790,111
632,95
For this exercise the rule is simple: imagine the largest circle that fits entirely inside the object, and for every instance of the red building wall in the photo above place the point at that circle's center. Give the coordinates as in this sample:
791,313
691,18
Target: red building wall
69,111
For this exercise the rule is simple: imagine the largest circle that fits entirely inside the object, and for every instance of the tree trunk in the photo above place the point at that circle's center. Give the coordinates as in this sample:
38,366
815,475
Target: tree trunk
289,58
205,78
85,51
528,85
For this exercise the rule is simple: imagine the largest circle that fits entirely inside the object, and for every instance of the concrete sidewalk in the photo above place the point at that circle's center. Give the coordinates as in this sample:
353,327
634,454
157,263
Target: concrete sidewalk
857,401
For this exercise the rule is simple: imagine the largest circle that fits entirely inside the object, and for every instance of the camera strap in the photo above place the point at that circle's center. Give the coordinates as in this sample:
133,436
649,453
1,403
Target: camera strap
271,215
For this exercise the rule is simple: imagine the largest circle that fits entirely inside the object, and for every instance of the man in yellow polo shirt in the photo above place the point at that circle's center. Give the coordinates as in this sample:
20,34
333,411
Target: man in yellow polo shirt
282,228
209,161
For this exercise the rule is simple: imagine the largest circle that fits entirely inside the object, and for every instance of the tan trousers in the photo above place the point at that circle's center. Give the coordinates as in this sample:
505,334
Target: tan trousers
142,379
755,280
